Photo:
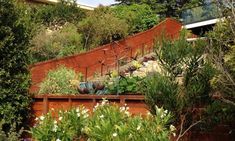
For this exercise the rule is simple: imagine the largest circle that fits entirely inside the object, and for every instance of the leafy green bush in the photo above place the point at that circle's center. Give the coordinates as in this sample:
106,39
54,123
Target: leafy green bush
138,17
107,123
60,81
160,90
121,85
14,78
114,123
12,135
185,82
48,44
58,14
101,27
67,127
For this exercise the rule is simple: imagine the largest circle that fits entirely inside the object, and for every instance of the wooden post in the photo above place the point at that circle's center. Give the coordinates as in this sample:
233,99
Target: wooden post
70,102
101,70
86,73
142,48
45,104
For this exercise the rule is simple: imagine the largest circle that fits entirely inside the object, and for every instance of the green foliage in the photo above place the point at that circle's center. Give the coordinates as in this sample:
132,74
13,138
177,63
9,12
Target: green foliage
160,90
59,14
107,123
67,127
138,17
12,135
49,44
166,8
60,81
101,27
219,112
14,80
222,54
110,123
121,85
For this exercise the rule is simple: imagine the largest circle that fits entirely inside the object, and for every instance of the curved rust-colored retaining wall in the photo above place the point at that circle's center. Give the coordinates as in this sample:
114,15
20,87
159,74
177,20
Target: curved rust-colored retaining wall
102,59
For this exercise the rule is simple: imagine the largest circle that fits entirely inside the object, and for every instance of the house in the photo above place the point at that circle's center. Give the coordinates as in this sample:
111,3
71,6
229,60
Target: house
56,1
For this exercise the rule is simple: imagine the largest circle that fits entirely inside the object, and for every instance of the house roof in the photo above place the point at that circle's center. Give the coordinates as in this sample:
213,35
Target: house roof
56,1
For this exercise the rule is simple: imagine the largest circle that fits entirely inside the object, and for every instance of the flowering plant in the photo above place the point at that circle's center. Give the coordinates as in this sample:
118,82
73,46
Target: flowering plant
67,126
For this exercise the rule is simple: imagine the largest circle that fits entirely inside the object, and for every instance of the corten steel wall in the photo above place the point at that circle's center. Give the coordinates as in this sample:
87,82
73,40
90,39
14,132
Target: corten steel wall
100,60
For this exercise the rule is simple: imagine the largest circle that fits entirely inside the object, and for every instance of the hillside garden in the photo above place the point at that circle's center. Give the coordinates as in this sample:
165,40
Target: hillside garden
187,85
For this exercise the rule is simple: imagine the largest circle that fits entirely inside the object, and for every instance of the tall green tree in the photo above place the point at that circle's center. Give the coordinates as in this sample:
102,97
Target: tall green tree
14,75
166,8
58,14
139,17
101,27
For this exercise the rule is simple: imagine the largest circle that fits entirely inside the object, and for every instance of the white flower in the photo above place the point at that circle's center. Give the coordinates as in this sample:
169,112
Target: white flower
60,118
41,117
166,111
86,115
36,118
58,140
55,128
122,109
97,105
127,113
174,134
84,111
172,128
114,134
55,122
78,114
102,116
77,110
138,127
105,101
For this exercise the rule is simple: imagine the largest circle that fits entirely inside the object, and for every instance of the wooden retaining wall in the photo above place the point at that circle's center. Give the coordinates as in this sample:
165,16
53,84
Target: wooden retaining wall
43,103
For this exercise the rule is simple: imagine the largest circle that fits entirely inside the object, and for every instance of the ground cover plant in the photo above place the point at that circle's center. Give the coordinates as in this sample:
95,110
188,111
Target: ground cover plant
107,122
61,81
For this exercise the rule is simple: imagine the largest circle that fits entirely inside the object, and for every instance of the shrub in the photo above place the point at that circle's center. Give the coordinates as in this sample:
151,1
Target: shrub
48,44
122,84
138,17
12,135
60,81
58,14
101,27
160,90
185,84
114,123
107,123
67,127
14,79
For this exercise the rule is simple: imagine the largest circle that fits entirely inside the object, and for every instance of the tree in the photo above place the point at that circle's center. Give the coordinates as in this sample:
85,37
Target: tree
101,27
222,54
166,8
58,14
14,75
138,17
49,44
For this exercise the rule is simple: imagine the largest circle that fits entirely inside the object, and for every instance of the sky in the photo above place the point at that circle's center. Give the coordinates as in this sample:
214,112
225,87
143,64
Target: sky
95,3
